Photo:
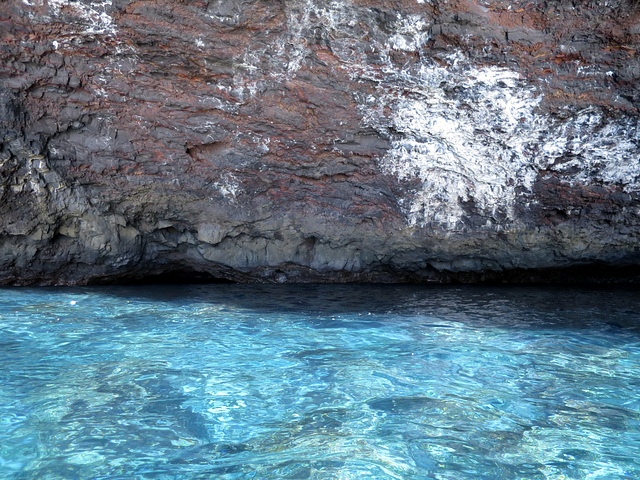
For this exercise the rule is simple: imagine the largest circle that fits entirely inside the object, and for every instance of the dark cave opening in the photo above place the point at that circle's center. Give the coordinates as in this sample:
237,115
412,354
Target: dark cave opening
167,277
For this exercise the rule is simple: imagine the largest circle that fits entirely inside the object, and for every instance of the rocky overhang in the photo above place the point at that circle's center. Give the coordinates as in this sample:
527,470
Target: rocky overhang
316,140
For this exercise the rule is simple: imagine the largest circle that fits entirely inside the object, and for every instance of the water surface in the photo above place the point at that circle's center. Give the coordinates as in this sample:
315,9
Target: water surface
319,382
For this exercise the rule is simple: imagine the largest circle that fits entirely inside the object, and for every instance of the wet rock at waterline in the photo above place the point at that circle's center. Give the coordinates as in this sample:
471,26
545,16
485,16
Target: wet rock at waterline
312,140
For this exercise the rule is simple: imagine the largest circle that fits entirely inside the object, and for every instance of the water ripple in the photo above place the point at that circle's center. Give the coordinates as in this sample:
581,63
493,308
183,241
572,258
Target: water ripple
319,382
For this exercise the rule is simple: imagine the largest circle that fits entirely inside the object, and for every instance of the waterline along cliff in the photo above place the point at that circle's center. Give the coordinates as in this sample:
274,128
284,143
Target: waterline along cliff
318,140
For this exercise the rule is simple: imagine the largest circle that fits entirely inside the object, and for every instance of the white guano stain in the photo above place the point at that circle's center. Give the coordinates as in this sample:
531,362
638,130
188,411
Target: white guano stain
228,186
591,148
295,46
473,135
411,33
465,133
95,16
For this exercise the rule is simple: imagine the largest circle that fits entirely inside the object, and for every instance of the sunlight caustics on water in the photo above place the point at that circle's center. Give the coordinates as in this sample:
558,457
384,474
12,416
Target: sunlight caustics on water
319,382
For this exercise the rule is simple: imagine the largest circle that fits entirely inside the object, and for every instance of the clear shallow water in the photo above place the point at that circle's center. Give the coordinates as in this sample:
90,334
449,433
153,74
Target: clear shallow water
321,382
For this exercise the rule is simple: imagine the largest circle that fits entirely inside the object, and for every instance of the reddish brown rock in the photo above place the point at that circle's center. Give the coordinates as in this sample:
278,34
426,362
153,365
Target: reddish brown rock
310,140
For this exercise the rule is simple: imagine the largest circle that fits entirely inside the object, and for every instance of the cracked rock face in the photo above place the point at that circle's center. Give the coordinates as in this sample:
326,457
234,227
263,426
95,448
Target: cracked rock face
316,140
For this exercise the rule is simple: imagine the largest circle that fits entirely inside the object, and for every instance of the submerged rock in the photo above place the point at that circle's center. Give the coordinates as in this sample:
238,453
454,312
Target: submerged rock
315,140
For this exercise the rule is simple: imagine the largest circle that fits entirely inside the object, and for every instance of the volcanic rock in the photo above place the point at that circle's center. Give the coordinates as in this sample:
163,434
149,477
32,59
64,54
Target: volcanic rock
318,140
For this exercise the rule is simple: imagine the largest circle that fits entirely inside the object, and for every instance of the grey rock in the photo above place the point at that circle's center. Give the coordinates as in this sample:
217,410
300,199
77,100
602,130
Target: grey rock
309,140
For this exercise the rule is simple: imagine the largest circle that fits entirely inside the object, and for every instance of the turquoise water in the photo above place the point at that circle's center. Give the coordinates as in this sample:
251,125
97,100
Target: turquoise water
319,382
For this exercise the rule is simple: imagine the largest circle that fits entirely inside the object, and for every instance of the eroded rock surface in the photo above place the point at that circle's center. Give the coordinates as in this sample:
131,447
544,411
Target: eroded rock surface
315,140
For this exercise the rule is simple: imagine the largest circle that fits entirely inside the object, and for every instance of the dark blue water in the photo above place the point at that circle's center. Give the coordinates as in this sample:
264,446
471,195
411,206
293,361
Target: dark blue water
319,382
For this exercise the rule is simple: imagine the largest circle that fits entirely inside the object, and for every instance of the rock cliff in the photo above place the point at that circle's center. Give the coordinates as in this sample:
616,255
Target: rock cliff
318,140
